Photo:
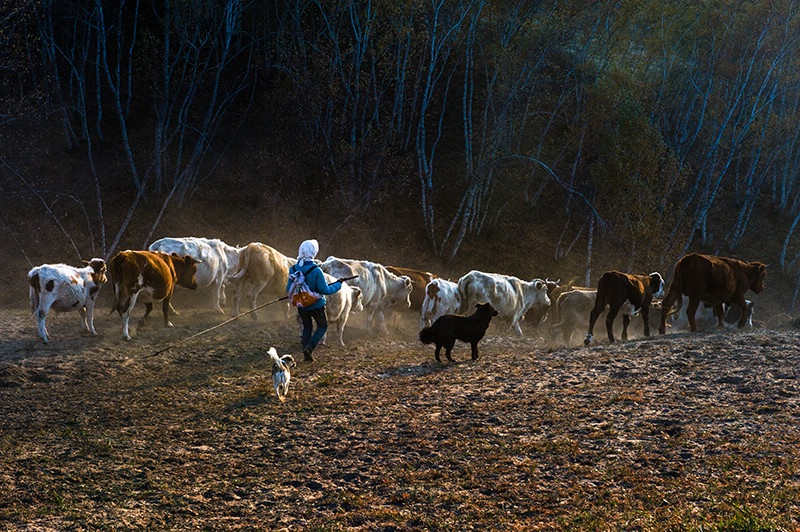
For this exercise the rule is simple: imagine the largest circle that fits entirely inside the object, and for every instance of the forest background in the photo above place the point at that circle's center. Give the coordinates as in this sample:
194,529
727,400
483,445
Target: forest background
534,138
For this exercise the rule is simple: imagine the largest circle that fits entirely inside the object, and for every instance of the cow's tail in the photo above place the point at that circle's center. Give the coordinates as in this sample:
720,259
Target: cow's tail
465,291
244,263
33,281
116,269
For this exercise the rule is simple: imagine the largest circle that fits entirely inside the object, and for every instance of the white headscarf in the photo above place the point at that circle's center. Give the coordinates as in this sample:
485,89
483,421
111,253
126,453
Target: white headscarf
308,250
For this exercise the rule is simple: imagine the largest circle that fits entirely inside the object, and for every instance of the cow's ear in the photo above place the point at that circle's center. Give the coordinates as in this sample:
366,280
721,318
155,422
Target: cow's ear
539,285
173,254
190,260
85,262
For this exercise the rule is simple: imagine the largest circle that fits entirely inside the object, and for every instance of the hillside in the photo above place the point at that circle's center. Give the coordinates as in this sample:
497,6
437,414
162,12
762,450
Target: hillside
687,431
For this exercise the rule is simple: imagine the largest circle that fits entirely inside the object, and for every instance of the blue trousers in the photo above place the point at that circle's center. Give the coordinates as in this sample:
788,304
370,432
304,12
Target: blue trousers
308,317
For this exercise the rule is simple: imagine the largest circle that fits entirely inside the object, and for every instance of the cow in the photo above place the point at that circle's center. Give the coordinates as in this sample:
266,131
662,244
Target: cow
510,296
152,273
538,314
704,317
217,261
339,306
715,280
571,311
441,297
261,269
419,280
64,288
380,288
614,289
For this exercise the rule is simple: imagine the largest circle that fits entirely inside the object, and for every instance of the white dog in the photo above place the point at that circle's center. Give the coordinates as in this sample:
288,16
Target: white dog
280,372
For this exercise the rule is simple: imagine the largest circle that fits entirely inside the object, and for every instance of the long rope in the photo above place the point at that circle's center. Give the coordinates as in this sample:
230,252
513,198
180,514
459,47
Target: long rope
192,337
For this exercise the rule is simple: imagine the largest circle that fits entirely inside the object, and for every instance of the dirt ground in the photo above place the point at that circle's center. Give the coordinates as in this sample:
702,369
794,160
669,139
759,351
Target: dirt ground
677,432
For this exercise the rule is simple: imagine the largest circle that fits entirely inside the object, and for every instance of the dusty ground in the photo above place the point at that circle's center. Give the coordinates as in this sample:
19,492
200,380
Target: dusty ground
680,432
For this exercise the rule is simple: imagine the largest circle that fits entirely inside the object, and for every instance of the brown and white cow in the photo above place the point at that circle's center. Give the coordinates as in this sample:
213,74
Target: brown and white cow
538,314
615,289
716,281
339,306
441,297
152,274
217,261
380,288
64,288
261,269
510,296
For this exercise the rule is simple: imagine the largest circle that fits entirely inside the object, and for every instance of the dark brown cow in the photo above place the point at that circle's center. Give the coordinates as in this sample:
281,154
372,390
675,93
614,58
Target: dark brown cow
614,289
716,281
419,280
155,274
536,315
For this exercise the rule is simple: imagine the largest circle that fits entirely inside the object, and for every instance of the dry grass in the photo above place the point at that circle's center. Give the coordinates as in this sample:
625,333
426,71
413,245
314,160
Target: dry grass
682,432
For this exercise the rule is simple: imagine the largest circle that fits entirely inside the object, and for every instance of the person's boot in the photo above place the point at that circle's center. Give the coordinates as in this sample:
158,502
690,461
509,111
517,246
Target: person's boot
307,355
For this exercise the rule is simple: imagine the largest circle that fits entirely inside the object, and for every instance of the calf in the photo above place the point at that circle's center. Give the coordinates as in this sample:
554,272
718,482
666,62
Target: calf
340,305
441,297
614,289
448,328
63,288
705,317
153,273
715,280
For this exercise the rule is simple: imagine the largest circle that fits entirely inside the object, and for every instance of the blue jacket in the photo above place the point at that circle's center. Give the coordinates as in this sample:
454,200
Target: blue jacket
316,282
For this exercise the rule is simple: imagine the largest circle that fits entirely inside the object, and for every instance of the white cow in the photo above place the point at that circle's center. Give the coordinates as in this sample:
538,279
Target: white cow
510,296
339,306
379,287
704,317
217,259
261,269
441,297
64,288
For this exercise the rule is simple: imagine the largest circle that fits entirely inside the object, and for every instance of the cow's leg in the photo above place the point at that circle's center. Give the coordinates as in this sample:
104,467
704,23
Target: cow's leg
691,312
719,313
613,310
41,313
626,320
126,315
148,308
517,328
255,290
217,294
236,287
593,315
646,318
88,312
165,306
666,306
741,302
381,321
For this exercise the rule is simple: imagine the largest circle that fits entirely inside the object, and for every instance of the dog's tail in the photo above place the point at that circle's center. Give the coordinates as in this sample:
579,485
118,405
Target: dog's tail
427,335
273,354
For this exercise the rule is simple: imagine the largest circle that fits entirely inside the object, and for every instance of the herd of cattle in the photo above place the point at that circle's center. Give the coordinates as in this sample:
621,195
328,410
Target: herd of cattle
710,289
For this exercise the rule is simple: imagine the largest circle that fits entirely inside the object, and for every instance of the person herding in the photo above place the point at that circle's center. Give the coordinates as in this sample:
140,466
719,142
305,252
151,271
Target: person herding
307,289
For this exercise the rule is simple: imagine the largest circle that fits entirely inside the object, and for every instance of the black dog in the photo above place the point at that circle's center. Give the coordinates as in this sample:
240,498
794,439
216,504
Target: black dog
451,327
